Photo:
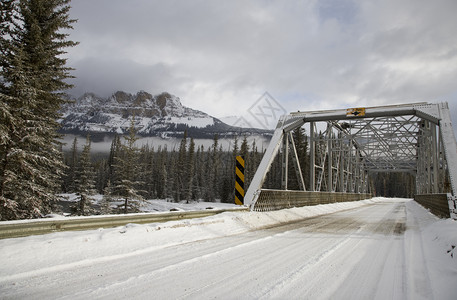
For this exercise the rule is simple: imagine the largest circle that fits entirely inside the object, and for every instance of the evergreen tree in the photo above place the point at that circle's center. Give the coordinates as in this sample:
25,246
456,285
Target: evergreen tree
190,170
214,170
253,160
235,148
146,171
244,151
162,174
7,23
102,175
33,76
199,173
72,164
105,205
126,172
244,148
85,183
115,151
181,170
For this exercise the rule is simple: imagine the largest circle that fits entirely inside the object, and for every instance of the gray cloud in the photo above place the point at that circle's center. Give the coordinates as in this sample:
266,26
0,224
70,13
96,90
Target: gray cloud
105,76
220,56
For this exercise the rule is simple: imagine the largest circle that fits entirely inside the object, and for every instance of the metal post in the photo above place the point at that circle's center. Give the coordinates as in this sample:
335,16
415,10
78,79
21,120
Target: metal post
297,167
341,163
330,158
312,157
285,161
435,155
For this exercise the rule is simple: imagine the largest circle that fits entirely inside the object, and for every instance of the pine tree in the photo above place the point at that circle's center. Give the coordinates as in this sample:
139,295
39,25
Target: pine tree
105,205
33,76
181,170
161,173
190,171
199,174
244,151
244,148
7,23
146,170
72,163
101,174
253,160
85,183
114,152
126,168
11,206
8,120
214,170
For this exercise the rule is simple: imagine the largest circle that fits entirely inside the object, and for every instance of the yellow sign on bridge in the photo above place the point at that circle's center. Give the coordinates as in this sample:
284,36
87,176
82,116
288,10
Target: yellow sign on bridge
355,112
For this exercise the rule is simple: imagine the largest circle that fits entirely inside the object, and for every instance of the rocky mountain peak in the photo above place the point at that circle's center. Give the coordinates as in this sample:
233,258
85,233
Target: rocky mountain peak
155,115
122,97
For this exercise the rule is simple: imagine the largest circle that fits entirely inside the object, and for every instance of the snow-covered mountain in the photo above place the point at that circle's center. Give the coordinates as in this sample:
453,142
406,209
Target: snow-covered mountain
161,115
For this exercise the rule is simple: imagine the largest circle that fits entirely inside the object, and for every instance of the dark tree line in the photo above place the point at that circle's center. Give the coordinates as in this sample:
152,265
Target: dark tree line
402,185
188,173
130,173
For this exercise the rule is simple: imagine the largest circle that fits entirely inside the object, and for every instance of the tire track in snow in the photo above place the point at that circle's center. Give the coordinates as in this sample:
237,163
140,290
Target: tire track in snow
383,276
286,251
313,269
418,281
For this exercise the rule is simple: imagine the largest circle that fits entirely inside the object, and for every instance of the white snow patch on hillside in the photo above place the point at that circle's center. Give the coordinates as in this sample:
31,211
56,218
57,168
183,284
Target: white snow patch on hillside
193,121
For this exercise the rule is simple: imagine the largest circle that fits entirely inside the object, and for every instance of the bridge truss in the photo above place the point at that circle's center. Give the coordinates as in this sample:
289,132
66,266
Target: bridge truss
348,146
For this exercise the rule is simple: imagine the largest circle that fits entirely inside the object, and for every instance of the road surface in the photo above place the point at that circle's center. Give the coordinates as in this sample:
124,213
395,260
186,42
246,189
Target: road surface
371,252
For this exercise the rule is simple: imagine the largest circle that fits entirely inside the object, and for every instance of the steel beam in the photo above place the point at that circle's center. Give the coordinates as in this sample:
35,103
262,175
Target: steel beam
296,161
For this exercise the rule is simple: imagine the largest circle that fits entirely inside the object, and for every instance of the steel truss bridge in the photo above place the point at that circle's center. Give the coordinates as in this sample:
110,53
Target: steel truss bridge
347,146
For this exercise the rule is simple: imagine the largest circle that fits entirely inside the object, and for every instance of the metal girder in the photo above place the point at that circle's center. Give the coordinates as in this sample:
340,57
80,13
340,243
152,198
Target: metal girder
347,145
296,161
259,177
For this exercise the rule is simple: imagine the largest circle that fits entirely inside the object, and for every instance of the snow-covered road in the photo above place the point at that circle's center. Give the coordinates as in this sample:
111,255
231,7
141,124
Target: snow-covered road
383,249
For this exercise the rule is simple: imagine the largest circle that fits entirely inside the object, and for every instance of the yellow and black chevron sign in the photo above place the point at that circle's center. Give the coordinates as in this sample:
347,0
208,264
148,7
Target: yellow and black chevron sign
239,183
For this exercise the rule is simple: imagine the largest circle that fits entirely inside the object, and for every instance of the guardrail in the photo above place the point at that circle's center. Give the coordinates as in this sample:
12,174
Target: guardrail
43,226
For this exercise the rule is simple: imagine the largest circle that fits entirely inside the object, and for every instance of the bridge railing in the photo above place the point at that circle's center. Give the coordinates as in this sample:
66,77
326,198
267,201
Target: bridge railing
269,200
441,205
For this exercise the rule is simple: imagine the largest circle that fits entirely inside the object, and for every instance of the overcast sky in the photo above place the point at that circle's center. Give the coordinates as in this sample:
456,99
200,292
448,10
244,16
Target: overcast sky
221,56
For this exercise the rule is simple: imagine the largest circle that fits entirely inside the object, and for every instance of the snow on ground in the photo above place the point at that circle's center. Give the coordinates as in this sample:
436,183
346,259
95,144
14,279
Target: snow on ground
146,206
62,249
23,259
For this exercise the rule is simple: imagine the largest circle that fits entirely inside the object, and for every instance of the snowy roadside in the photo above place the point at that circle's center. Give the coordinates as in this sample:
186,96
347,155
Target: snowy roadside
37,255
148,206
436,239
151,205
